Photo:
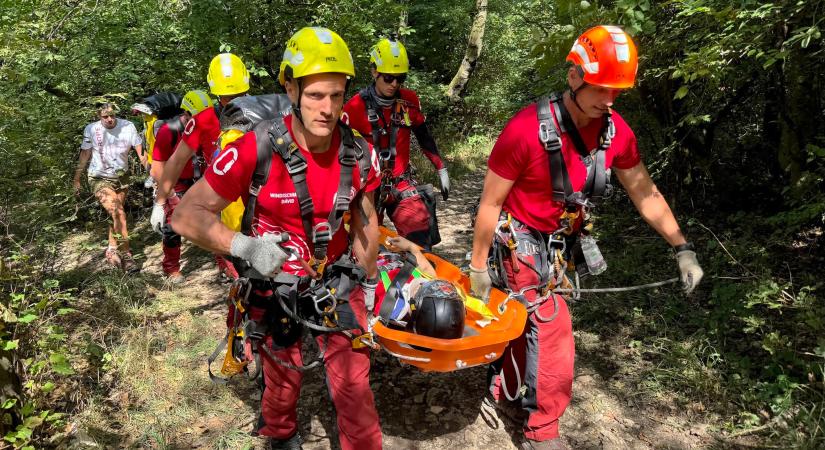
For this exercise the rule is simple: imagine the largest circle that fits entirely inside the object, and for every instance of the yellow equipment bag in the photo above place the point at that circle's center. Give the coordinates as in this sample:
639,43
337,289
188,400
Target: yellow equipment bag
231,215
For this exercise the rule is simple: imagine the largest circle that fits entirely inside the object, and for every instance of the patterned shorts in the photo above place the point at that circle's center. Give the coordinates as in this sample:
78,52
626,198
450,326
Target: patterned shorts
119,184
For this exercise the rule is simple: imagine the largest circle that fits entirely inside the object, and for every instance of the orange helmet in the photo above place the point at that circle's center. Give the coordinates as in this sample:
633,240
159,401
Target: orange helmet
607,56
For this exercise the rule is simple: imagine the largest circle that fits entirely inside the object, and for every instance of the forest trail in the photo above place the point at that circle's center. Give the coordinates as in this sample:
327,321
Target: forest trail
159,396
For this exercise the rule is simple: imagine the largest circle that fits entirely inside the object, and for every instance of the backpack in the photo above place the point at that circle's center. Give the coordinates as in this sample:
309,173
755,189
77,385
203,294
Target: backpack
165,105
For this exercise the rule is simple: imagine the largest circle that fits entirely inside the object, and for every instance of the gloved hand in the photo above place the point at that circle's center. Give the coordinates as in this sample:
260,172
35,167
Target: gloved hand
368,286
444,177
158,218
691,271
264,253
480,282
149,182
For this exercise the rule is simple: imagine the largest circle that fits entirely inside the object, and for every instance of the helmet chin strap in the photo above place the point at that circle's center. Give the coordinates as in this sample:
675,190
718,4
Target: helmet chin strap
573,92
296,107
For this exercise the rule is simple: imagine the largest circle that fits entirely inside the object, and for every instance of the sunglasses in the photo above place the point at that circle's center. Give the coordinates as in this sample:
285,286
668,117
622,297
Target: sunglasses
390,78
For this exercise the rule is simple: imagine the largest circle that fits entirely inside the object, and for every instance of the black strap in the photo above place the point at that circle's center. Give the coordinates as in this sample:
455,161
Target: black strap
554,120
550,137
400,279
259,176
375,116
274,136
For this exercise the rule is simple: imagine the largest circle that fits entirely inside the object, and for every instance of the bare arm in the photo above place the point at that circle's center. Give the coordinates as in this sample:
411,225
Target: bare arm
171,172
364,230
400,244
196,218
157,169
82,162
495,192
651,203
141,155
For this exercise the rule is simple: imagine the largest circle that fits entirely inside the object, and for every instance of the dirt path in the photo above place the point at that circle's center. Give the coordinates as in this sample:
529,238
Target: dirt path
418,410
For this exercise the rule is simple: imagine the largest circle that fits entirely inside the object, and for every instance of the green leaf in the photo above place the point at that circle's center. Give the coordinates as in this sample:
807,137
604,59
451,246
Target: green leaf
11,345
47,387
64,311
9,403
681,93
27,318
60,364
584,4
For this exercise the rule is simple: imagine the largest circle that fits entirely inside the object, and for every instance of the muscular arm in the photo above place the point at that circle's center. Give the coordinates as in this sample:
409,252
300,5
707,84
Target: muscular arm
364,229
493,195
171,172
650,202
196,218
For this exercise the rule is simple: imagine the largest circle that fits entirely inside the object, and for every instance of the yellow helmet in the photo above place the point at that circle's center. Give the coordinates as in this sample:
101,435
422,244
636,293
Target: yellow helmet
227,75
390,56
315,50
195,102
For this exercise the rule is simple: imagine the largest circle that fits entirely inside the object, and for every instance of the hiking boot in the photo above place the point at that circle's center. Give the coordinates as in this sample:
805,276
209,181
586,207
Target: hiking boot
512,411
291,443
552,444
129,264
113,257
175,278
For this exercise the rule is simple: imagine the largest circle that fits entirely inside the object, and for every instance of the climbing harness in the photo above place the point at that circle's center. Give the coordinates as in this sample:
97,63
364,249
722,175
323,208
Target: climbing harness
311,300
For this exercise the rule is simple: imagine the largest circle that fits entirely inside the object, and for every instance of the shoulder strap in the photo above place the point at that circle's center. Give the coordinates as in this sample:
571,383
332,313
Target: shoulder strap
259,177
176,127
550,137
375,117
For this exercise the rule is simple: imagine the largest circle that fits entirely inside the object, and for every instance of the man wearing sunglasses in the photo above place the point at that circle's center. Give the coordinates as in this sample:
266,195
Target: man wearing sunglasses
386,114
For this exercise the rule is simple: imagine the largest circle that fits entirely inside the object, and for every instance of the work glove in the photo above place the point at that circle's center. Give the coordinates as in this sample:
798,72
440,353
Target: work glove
149,182
368,286
480,282
444,177
158,218
264,253
691,272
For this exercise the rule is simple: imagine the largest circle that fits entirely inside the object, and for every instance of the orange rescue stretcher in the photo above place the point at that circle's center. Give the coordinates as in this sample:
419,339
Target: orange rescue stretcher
479,345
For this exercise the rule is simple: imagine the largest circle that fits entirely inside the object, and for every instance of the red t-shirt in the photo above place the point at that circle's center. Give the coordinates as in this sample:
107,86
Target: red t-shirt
165,146
277,209
201,134
519,156
407,116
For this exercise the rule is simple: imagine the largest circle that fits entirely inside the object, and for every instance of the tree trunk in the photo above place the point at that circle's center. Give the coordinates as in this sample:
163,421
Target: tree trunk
456,87
10,388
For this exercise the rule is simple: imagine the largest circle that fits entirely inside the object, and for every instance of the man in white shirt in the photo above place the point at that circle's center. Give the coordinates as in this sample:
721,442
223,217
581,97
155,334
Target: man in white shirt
106,143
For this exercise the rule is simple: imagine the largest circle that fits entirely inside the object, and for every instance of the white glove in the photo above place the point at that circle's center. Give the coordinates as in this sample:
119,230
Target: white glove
480,282
264,253
689,267
158,218
444,177
368,286
149,182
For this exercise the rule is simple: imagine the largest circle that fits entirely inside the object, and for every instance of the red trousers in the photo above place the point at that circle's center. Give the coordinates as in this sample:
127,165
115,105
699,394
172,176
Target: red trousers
348,381
541,359
411,217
